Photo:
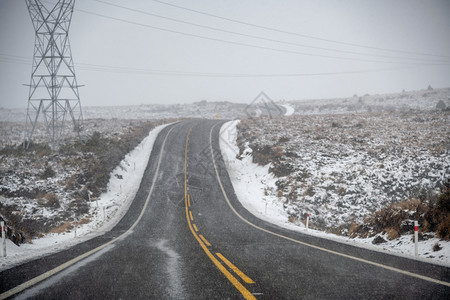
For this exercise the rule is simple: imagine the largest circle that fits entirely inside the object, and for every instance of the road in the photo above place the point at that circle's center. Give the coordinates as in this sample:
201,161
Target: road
186,236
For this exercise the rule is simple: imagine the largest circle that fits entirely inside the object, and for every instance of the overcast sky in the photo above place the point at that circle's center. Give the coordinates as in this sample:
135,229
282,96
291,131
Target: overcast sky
148,52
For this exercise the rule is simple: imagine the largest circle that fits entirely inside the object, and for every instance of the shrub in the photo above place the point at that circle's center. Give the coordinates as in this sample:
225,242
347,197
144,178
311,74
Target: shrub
262,155
436,247
51,200
64,227
281,169
437,218
79,207
309,191
392,233
336,125
443,202
378,240
283,139
443,229
48,172
293,219
397,219
94,142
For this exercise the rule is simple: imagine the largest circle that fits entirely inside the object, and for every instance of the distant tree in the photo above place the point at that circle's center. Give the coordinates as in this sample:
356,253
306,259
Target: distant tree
429,87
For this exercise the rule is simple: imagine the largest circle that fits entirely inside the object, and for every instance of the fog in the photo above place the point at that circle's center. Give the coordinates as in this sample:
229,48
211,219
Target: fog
173,51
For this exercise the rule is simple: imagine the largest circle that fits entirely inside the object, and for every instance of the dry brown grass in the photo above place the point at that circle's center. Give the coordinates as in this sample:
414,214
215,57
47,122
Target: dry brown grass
392,233
51,200
443,229
84,221
293,219
397,219
64,227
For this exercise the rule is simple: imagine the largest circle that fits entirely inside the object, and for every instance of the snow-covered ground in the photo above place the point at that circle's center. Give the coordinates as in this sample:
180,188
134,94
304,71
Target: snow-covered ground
260,197
342,167
106,211
201,109
289,109
429,99
251,182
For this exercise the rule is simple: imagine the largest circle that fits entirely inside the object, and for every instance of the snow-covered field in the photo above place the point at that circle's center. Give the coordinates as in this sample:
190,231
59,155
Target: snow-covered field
251,182
428,99
201,109
104,213
340,168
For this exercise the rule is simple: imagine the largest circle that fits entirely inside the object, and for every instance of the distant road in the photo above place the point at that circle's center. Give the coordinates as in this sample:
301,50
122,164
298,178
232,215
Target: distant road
186,236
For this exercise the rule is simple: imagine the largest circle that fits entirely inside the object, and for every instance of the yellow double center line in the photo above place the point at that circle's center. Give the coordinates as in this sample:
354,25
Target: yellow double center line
204,244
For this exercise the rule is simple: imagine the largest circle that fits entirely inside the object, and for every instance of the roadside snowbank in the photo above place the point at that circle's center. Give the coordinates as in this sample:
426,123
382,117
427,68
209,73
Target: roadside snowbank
105,212
289,109
250,181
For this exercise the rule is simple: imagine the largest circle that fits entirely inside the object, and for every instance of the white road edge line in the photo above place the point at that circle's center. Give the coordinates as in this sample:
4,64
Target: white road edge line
69,263
310,245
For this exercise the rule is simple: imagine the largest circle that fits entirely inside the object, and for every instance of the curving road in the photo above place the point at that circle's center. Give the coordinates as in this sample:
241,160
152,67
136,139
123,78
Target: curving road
186,236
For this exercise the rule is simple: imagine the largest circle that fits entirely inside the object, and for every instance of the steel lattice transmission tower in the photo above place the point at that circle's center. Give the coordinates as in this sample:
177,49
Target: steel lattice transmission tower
53,85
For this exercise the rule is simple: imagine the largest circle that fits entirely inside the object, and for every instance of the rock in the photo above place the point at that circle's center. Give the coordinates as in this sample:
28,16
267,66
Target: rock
378,240
437,247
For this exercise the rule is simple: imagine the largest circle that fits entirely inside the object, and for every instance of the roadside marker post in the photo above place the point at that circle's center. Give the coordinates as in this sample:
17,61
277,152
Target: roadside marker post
416,238
307,221
3,238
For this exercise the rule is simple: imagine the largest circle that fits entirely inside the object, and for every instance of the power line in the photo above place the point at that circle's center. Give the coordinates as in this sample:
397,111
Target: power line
141,71
258,37
299,34
240,43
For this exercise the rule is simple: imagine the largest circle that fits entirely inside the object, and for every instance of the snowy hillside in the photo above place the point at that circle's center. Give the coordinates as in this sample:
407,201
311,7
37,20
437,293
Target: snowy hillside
342,167
346,162
257,189
12,121
43,191
428,99
102,213
201,109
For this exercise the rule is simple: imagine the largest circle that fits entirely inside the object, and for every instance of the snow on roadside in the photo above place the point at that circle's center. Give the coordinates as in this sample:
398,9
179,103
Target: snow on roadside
251,180
289,109
106,212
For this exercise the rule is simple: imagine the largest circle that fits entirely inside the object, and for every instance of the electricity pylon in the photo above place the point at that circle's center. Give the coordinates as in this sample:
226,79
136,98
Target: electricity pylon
53,85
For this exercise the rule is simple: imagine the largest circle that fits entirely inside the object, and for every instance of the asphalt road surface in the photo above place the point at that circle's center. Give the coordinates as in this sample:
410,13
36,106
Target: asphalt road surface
186,236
